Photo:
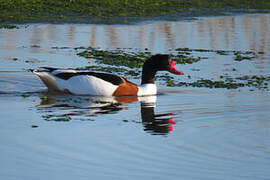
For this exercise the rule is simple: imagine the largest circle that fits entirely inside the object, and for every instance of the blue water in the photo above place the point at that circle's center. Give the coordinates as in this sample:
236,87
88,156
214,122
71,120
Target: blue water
182,133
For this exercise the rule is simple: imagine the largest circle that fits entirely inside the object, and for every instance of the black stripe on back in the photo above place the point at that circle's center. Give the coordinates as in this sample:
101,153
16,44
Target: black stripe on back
114,79
49,69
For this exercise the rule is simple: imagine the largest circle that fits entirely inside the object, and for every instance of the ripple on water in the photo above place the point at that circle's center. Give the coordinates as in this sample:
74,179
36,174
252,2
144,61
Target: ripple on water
215,137
19,81
228,133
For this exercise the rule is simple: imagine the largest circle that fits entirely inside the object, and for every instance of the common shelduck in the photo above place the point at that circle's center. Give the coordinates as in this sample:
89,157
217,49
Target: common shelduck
105,84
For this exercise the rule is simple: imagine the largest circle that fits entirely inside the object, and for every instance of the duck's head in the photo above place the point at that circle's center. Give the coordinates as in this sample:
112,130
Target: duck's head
158,62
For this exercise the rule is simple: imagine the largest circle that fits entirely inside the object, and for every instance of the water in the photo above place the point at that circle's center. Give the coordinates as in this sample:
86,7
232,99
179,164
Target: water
183,133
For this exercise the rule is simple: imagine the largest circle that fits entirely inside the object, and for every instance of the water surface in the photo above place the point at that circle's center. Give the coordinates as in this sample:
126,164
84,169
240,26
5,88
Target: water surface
182,133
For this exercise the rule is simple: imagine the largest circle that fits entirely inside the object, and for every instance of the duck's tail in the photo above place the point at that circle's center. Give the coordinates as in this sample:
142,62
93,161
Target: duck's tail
47,79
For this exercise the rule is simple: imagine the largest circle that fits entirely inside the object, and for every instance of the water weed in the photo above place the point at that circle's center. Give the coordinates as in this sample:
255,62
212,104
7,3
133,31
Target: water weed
123,11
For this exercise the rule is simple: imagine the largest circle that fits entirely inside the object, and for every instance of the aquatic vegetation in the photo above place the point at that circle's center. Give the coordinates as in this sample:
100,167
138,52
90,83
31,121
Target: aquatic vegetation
244,77
207,83
25,95
222,52
132,60
116,57
125,10
66,118
240,56
260,82
8,26
44,98
49,117
186,59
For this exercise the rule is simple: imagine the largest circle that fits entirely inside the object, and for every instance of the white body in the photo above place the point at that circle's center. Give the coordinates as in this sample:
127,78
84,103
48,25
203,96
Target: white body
86,85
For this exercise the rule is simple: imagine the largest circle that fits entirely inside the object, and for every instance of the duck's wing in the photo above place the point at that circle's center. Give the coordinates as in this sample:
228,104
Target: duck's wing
111,78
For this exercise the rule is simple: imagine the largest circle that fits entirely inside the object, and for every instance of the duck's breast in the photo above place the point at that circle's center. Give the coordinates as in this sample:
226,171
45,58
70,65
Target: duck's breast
147,89
126,89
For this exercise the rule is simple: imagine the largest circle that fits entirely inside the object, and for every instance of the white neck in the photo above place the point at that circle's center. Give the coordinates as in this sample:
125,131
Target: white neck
147,89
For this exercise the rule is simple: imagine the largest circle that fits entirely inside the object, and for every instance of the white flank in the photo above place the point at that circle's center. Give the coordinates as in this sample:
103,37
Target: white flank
80,85
147,89
87,85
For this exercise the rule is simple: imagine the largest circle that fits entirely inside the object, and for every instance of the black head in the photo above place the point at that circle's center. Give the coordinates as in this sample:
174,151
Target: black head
158,62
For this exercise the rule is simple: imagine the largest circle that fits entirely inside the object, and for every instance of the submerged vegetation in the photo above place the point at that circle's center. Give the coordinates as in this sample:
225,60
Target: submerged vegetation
8,26
136,59
116,58
133,59
238,55
260,82
100,11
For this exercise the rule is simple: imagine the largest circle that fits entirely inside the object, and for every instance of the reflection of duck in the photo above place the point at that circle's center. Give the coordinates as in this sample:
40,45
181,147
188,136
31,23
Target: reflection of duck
153,123
79,106
63,108
104,84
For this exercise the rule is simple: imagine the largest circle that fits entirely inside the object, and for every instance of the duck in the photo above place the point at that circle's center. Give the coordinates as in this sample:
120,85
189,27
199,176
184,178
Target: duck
106,84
